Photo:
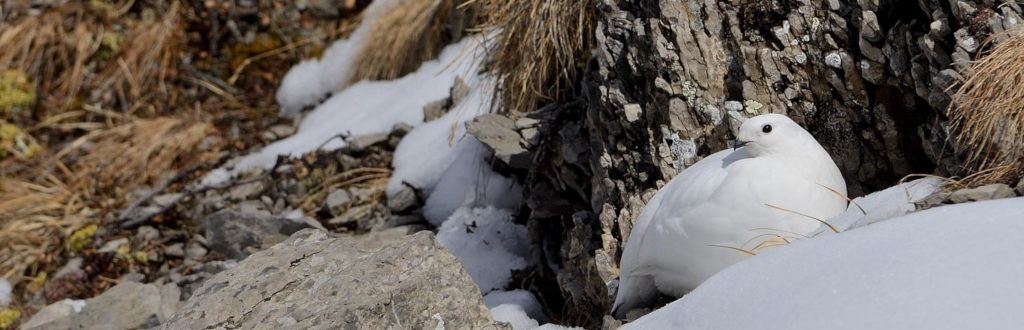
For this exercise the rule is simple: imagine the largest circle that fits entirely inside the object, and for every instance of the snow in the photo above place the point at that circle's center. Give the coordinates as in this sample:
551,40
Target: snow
468,180
951,267
364,108
76,305
310,81
5,293
520,309
490,245
514,315
882,205
521,298
429,149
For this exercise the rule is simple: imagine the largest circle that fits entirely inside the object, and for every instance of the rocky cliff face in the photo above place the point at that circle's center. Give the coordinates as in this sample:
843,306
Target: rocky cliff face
670,81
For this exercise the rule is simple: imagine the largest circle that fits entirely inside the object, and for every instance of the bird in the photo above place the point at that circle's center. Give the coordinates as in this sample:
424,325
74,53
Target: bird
776,180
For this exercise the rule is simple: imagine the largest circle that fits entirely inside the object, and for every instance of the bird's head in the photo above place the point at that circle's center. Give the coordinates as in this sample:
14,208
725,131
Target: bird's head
772,134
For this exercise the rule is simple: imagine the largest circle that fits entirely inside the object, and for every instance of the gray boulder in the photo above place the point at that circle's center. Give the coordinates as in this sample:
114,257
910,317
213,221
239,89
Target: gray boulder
129,305
983,193
312,281
237,235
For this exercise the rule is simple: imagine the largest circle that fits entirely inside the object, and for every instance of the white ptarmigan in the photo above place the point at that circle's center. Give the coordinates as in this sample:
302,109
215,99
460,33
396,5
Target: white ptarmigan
683,235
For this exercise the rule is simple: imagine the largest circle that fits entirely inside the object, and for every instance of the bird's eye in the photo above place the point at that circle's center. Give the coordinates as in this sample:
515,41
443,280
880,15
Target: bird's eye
766,128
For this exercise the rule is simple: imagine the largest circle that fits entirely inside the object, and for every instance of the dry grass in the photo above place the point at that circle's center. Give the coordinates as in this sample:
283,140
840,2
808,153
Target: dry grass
38,214
403,38
56,47
140,152
540,49
988,113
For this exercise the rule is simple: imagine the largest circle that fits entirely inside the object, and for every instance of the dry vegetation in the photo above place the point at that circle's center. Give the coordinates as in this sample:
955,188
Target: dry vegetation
540,51
114,97
988,114
405,37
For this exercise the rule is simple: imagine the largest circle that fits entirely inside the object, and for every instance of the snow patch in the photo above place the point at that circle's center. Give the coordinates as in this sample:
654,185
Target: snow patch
76,305
882,205
513,314
364,108
312,80
6,291
490,245
950,267
522,298
469,180
429,149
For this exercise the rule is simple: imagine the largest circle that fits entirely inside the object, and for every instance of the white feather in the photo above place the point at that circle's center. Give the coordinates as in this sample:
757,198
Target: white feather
685,233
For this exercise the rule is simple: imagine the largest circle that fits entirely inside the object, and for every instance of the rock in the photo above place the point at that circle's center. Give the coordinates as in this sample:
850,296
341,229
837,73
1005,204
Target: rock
147,233
112,246
132,277
531,136
526,122
435,109
167,200
403,201
176,250
194,251
312,281
337,202
128,305
401,129
282,131
246,191
1020,188
496,132
986,192
459,90
252,207
237,235
362,142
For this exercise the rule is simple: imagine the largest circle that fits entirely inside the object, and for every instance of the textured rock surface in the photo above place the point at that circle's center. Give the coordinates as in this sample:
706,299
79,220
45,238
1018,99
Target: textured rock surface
237,235
671,81
496,132
312,281
128,305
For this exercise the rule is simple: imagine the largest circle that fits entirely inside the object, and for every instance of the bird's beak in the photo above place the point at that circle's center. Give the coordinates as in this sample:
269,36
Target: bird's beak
739,144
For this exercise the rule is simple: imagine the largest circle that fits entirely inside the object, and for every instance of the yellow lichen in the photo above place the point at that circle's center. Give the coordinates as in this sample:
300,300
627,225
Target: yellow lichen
8,317
141,257
37,282
13,138
82,238
110,45
15,90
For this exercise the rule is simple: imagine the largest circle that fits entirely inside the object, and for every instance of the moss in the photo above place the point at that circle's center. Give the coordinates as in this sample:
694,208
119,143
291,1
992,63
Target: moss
14,138
105,7
110,45
16,91
82,238
38,282
8,317
140,257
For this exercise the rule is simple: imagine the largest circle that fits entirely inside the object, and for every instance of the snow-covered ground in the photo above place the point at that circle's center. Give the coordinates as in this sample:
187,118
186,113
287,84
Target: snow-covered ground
473,206
952,267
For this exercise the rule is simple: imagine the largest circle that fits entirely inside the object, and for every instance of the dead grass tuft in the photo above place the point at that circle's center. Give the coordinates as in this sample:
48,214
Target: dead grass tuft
988,113
57,48
38,214
404,37
540,49
139,152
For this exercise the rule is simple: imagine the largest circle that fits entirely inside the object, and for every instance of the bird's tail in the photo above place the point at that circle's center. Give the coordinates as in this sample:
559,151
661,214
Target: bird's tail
634,291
